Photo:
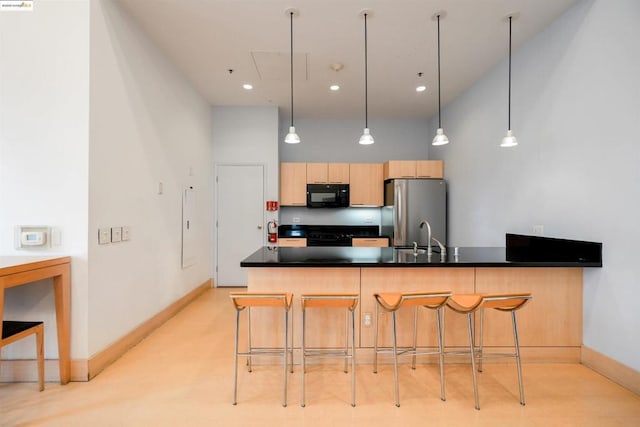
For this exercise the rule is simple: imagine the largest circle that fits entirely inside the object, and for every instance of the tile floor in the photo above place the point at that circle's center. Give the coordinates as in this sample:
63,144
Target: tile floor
181,375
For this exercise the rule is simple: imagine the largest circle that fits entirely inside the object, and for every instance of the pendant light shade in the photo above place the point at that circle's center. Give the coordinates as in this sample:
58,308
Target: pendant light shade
509,139
440,138
366,138
292,137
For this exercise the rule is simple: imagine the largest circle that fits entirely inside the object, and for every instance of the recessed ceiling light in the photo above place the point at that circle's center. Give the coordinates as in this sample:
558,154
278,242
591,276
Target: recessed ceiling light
421,88
334,88
247,86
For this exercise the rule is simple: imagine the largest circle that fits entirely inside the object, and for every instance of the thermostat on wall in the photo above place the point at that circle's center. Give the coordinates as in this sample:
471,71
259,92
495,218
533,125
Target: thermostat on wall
32,237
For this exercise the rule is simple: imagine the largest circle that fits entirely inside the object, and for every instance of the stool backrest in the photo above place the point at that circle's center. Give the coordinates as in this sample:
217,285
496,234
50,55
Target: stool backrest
506,302
349,301
242,300
393,301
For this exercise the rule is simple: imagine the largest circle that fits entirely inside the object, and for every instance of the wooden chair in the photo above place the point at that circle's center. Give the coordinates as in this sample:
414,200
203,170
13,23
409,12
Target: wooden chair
392,302
13,331
469,304
331,301
249,300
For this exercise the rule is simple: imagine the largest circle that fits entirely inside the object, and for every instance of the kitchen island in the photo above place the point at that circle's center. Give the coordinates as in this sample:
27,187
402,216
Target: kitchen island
550,326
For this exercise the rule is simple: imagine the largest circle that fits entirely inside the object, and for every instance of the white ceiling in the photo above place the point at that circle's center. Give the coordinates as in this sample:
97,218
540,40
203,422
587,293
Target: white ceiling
206,38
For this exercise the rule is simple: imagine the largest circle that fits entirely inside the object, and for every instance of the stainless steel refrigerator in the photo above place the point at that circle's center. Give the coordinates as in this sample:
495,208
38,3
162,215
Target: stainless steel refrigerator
408,202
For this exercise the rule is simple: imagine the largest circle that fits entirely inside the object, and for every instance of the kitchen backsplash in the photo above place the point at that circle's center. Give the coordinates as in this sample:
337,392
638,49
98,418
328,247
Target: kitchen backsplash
346,216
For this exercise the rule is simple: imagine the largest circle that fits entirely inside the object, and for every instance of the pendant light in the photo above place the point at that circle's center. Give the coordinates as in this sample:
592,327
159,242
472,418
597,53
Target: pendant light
509,139
366,138
440,138
292,137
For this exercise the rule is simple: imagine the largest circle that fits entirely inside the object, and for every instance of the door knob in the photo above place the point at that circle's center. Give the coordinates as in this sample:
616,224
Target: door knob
259,227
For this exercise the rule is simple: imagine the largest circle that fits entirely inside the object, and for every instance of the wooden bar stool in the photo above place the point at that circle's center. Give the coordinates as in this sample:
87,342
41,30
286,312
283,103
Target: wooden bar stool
470,303
248,300
333,301
392,302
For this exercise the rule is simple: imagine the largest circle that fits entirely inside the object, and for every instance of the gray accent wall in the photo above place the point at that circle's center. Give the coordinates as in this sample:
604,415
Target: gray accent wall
575,112
336,140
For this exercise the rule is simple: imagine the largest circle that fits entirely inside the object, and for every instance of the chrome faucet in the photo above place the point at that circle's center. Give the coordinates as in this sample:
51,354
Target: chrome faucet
422,224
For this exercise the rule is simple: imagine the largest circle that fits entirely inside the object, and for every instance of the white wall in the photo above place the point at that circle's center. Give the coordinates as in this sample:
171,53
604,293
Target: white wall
336,140
147,126
247,135
44,127
575,111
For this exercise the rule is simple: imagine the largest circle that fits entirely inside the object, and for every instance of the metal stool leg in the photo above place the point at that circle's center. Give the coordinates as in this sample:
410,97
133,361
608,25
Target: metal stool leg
346,340
249,339
375,343
415,337
480,345
519,366
395,357
286,356
439,321
473,359
235,361
353,358
304,359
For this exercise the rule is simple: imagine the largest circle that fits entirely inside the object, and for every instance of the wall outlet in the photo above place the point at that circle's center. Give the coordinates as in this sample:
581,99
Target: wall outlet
366,319
538,230
296,219
104,236
126,233
116,234
368,219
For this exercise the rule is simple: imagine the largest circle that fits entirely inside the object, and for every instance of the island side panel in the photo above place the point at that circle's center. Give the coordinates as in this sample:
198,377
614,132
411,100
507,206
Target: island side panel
550,325
325,327
375,280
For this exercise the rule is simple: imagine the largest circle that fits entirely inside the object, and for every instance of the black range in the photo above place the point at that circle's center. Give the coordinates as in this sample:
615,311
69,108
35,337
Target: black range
328,235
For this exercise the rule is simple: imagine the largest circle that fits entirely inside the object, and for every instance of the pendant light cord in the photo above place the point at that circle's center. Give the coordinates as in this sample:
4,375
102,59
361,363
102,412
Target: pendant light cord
366,85
439,112
291,36
509,114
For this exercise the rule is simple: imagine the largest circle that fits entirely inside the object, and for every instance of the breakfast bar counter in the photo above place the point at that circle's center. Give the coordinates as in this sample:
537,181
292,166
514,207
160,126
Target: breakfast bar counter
550,326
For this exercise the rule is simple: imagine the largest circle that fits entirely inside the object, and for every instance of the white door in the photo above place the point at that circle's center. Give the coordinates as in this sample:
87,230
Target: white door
240,220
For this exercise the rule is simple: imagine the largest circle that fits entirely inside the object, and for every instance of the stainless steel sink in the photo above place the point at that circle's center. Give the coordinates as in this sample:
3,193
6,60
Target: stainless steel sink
405,251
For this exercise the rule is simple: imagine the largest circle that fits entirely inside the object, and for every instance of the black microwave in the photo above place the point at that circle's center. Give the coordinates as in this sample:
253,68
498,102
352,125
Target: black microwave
327,195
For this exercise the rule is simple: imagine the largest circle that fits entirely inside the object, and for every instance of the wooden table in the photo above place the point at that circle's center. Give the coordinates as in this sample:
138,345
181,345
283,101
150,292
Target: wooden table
21,270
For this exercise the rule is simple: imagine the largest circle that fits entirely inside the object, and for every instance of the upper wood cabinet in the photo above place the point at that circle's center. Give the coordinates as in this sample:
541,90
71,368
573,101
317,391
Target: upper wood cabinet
414,169
430,169
327,173
366,184
293,184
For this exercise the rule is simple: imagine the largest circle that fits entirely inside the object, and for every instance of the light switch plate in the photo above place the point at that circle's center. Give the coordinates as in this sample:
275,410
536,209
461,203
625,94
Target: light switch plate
116,234
104,236
126,233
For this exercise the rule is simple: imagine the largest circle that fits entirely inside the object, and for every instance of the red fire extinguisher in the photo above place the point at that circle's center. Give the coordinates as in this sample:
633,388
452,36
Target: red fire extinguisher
272,229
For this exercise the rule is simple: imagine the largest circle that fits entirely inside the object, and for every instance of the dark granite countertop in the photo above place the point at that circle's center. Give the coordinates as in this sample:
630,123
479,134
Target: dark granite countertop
391,257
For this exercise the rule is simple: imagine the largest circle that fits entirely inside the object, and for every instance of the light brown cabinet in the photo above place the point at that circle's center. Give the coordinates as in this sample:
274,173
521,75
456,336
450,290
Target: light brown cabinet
327,173
362,242
293,184
414,169
366,184
292,242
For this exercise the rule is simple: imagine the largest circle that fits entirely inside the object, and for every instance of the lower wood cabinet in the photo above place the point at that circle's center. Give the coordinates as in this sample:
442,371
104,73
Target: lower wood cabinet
379,242
292,242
